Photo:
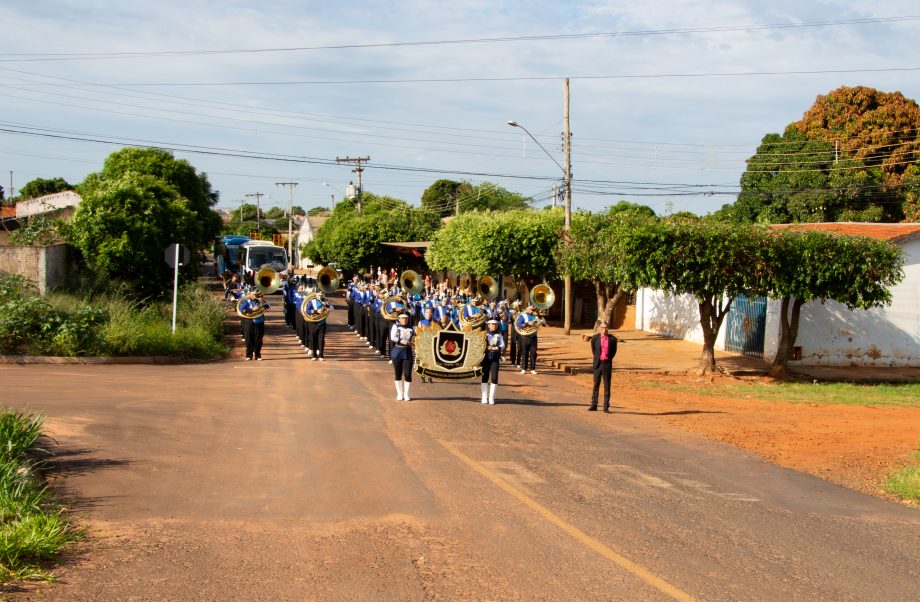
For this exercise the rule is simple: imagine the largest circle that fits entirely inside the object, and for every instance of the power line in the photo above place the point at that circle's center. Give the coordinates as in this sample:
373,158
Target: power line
518,78
54,56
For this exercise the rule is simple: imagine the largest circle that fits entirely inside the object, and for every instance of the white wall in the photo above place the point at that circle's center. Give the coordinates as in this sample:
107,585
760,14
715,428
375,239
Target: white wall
832,335
676,316
49,202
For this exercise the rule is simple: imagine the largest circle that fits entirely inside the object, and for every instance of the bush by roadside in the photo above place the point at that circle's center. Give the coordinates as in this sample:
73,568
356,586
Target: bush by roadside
110,324
33,526
905,483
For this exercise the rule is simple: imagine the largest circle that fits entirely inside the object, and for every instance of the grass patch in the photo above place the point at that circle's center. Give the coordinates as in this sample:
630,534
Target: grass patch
875,395
905,483
33,526
109,323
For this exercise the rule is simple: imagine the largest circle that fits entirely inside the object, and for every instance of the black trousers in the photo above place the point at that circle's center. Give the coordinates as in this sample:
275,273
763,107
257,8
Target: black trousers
515,347
300,327
402,368
351,313
490,371
253,333
602,373
318,338
528,353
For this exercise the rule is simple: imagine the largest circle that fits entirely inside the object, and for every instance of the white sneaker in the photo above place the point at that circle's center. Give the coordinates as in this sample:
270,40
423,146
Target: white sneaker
309,352
322,359
533,371
314,359
523,371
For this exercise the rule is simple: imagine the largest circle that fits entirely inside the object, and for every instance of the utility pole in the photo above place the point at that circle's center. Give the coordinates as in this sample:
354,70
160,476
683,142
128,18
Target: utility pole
258,196
358,169
242,202
567,147
555,196
290,186
333,201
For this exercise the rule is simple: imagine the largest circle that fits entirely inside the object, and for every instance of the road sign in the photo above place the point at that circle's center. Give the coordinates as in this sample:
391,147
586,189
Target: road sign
170,255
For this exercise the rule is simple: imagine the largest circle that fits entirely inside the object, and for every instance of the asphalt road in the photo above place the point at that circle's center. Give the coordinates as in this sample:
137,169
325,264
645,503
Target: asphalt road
290,479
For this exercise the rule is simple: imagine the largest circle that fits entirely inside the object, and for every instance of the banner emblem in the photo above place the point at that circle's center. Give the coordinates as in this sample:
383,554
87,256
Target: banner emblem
449,354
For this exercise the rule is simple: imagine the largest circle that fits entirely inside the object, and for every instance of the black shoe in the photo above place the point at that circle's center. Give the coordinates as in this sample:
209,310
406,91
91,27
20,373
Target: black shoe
606,410
592,409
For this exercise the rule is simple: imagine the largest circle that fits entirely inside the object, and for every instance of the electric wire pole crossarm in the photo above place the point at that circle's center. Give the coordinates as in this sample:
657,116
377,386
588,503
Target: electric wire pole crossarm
290,186
358,169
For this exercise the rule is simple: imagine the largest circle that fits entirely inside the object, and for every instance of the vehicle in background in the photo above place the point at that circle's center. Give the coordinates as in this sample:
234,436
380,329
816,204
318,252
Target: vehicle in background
258,254
227,251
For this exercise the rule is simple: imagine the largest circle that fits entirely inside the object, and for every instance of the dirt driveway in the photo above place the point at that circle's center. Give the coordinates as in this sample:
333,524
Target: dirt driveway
853,446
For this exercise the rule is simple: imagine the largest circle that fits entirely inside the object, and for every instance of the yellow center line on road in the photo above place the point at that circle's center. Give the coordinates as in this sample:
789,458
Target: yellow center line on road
569,528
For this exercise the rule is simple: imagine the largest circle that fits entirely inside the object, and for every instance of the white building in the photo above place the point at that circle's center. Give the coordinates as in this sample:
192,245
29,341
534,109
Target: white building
308,230
829,333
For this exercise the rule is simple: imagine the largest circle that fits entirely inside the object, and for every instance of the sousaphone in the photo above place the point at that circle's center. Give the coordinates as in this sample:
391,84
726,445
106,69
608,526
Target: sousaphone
487,288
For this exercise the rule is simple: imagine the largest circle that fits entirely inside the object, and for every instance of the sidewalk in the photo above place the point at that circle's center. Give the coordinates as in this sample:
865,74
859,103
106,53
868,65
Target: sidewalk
650,353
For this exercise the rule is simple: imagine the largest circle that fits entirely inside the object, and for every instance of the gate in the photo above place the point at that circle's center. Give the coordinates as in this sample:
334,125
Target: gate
747,323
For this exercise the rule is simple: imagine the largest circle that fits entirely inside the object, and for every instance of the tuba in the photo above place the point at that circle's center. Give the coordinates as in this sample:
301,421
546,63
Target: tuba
487,288
411,283
388,315
267,281
542,298
252,313
477,320
317,317
328,280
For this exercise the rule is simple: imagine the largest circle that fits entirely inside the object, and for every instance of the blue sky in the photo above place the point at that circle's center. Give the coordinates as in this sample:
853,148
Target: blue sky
650,121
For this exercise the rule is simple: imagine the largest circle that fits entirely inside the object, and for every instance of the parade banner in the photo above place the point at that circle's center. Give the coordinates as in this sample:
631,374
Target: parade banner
450,354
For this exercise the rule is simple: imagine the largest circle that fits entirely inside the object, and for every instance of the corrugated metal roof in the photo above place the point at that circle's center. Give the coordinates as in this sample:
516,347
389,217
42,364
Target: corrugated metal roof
889,232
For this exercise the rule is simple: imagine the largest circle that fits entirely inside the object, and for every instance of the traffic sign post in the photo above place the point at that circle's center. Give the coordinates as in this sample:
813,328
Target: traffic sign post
176,255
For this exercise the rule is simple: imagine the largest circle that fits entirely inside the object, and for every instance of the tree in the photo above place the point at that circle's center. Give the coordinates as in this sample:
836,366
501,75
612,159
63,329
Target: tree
297,210
594,252
520,243
41,186
810,265
276,213
138,204
848,159
712,261
445,196
179,173
317,211
123,225
353,240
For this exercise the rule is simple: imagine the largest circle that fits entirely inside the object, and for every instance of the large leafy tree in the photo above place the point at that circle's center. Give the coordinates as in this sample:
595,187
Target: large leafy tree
138,204
593,251
178,173
123,225
353,240
42,186
712,261
446,196
520,243
811,265
850,158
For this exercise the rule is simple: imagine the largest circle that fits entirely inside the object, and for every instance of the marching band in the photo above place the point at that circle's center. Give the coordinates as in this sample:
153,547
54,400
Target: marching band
388,315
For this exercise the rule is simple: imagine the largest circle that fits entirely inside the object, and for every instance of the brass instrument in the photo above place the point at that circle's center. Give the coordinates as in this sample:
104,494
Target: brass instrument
542,298
487,288
252,313
411,283
317,317
476,321
387,315
328,280
267,281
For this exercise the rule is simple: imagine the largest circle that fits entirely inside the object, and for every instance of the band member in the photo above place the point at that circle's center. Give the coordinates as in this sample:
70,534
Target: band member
529,341
350,300
315,307
254,328
495,344
300,327
402,337
603,347
514,345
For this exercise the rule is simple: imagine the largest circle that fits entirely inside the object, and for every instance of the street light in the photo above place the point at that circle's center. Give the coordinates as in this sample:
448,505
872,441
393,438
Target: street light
333,196
567,190
515,124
